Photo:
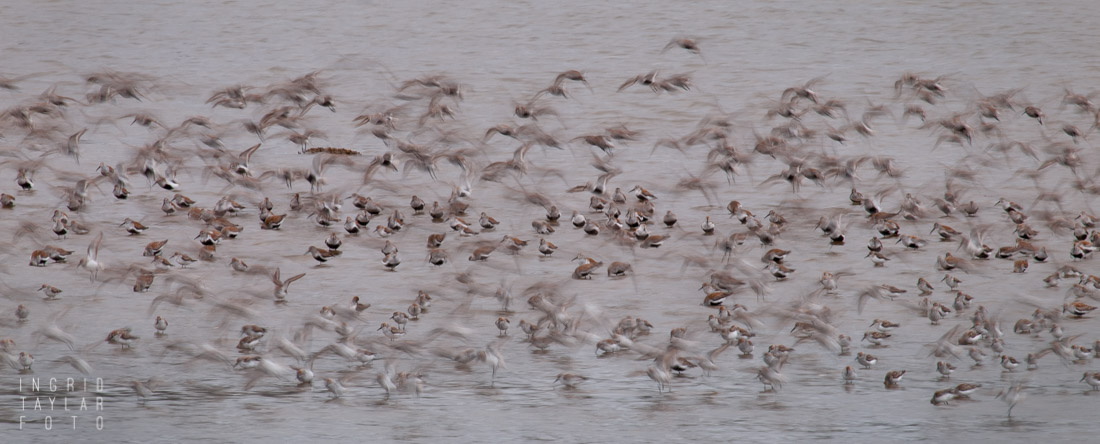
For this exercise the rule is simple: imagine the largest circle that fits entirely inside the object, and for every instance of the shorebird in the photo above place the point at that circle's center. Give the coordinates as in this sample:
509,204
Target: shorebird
619,269
945,369
874,245
133,227
391,332
779,271
401,319
482,253
91,262
951,281
50,291
333,242
335,387
238,265
884,326
865,360
691,45
911,242
771,378
487,222
1012,396
391,261
437,256
607,346
964,390
1092,379
893,378
26,360
546,247
281,286
943,396
977,355
876,337
121,337
322,256
878,259
585,270
1077,308
358,306
570,380
924,287
182,259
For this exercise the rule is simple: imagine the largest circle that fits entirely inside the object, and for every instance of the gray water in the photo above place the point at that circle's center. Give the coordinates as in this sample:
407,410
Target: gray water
502,53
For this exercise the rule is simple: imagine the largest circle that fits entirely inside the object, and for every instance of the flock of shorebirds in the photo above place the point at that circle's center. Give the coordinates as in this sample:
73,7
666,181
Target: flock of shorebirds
817,141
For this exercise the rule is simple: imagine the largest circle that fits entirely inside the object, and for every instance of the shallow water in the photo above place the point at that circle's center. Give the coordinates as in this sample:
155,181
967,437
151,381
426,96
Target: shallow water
503,53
